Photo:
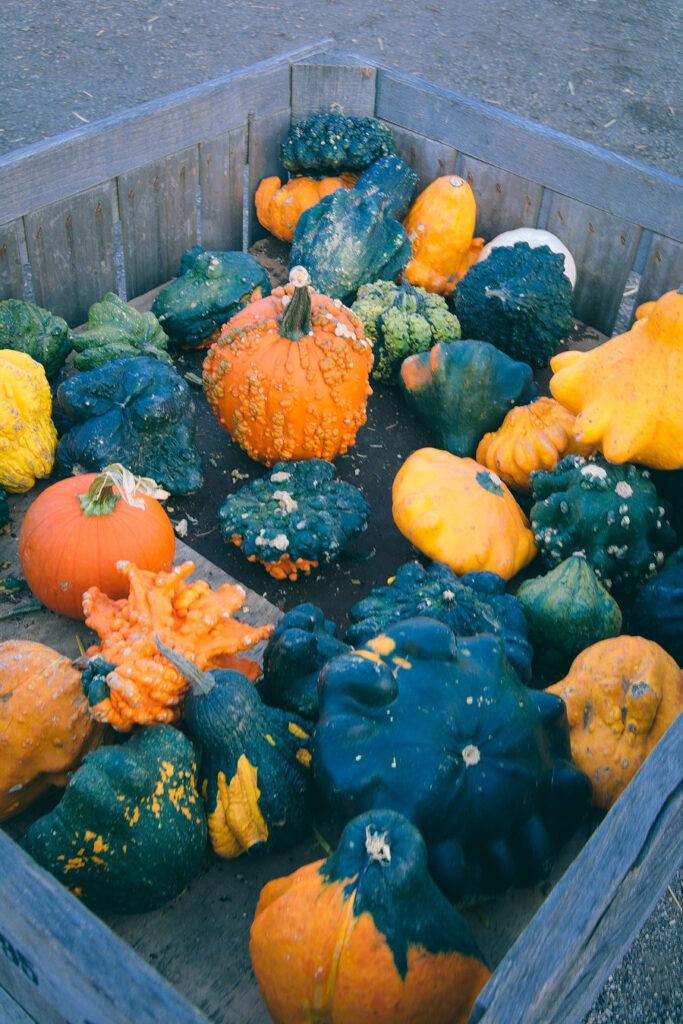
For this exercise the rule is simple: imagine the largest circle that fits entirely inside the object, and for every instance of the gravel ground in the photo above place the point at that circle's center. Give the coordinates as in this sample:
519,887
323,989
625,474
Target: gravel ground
606,71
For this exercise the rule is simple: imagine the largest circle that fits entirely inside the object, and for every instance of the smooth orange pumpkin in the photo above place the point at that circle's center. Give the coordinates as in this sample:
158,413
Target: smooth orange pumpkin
288,377
45,725
76,531
622,694
278,206
440,226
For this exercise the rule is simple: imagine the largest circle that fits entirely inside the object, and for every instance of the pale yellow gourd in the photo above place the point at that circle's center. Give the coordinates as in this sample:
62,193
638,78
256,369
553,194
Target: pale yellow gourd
27,434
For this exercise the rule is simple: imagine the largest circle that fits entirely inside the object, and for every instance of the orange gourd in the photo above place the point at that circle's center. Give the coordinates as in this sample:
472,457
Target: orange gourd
456,511
440,226
45,724
278,206
621,694
531,437
288,377
627,394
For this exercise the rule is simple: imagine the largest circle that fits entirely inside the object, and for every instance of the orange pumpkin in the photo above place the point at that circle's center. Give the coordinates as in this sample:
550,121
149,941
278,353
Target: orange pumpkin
531,437
76,531
278,206
627,394
288,377
622,694
440,226
45,724
456,511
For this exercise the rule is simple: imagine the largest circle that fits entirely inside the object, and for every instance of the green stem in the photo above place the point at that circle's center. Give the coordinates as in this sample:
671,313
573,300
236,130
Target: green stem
99,499
296,319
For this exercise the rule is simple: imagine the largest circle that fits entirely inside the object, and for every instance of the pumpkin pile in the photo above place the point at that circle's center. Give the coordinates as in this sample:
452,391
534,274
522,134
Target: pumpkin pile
519,668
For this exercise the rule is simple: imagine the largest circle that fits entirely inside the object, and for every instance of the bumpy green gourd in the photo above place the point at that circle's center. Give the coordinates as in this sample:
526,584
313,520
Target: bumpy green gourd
130,831
401,320
568,610
610,513
116,329
43,336
329,143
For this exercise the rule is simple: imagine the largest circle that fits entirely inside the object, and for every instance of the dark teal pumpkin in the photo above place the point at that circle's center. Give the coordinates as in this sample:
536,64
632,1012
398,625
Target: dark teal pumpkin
25,327
115,330
130,832
442,730
657,610
330,143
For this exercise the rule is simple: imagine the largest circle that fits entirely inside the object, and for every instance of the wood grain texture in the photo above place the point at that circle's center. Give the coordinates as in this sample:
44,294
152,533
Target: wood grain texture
265,137
504,200
331,83
221,181
11,274
663,269
428,158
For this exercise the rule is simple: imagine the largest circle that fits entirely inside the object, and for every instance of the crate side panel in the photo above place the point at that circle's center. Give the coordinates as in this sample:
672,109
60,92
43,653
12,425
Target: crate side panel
20,1000
504,200
429,159
221,180
265,136
11,274
604,248
158,210
326,85
663,270
71,247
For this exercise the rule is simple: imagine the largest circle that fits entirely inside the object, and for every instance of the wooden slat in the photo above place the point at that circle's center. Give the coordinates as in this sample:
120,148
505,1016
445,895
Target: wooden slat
11,276
265,137
20,1000
70,248
118,144
158,210
221,180
568,166
604,248
663,269
504,200
331,83
555,970
429,159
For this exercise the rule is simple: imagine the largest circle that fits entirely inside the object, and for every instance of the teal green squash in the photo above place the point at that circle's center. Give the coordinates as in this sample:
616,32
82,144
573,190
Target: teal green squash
568,609
43,336
116,329
464,390
255,776
209,289
657,609
129,833
329,143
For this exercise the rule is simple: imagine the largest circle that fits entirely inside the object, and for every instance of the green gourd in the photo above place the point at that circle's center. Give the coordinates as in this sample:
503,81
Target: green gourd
43,336
330,143
116,329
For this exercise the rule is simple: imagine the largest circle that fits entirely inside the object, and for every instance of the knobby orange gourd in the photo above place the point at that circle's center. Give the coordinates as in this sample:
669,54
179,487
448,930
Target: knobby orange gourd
278,206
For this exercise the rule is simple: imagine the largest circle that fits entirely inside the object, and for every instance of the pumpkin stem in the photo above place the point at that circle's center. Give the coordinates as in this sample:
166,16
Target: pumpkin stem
100,500
376,845
296,318
201,682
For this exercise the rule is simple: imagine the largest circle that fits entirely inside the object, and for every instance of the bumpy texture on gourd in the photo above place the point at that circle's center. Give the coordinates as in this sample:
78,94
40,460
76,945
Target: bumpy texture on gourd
622,694
442,730
568,610
365,935
130,831
462,391
209,289
297,517
278,206
611,514
474,603
627,394
657,610
27,328
519,299
116,329
302,642
137,411
401,320
330,143
27,434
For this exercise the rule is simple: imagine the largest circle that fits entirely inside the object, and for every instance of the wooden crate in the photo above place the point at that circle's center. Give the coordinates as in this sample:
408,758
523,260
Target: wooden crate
112,206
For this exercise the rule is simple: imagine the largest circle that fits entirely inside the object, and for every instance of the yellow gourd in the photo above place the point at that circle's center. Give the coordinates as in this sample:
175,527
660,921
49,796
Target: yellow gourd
27,434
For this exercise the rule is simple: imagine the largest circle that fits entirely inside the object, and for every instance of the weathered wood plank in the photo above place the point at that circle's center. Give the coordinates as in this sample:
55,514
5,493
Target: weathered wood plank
265,136
428,158
331,82
158,211
20,1000
663,269
604,248
504,200
11,275
557,967
568,166
118,144
221,181
70,248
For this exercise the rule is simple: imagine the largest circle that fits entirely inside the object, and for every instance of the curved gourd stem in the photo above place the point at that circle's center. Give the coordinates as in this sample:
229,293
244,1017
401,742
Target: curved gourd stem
201,682
100,500
296,319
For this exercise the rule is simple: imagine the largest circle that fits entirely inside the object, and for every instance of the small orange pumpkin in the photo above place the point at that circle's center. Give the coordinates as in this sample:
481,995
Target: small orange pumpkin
278,206
531,437
440,226
289,376
622,694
